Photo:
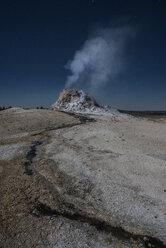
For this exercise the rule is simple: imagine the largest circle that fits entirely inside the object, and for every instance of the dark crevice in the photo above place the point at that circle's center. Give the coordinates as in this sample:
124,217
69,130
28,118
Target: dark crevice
83,118
99,224
62,126
30,157
55,128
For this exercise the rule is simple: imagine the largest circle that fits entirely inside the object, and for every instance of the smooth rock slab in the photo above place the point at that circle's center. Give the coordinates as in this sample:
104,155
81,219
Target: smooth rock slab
122,182
8,152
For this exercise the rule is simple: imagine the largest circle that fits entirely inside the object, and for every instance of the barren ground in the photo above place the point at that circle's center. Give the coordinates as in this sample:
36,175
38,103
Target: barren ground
81,181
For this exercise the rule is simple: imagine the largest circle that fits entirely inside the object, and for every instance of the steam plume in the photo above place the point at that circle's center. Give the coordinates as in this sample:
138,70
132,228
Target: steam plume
99,60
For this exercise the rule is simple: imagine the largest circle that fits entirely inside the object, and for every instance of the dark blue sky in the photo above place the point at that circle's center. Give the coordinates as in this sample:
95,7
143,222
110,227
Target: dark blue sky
37,38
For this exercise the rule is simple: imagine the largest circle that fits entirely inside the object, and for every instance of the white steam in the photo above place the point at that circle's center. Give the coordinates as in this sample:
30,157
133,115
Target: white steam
99,60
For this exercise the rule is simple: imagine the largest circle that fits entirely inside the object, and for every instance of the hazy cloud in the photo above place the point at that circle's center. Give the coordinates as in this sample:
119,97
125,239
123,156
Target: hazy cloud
99,60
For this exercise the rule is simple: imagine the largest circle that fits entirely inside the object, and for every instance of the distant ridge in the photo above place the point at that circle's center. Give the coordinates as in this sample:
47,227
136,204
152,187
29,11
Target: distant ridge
143,113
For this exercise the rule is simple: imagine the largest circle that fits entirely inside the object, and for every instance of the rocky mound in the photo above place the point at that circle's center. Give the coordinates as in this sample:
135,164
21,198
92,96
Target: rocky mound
72,100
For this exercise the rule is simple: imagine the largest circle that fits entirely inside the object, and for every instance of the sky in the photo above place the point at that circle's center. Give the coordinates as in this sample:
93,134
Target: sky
43,43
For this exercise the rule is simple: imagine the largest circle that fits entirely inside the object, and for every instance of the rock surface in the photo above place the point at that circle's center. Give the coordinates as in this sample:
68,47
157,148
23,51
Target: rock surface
80,181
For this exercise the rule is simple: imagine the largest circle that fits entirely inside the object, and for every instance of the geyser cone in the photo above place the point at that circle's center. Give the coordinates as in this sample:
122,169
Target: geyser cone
72,100
75,100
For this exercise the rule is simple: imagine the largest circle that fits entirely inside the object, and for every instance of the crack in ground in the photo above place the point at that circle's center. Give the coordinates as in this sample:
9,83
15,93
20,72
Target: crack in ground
99,224
82,118
33,149
30,158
